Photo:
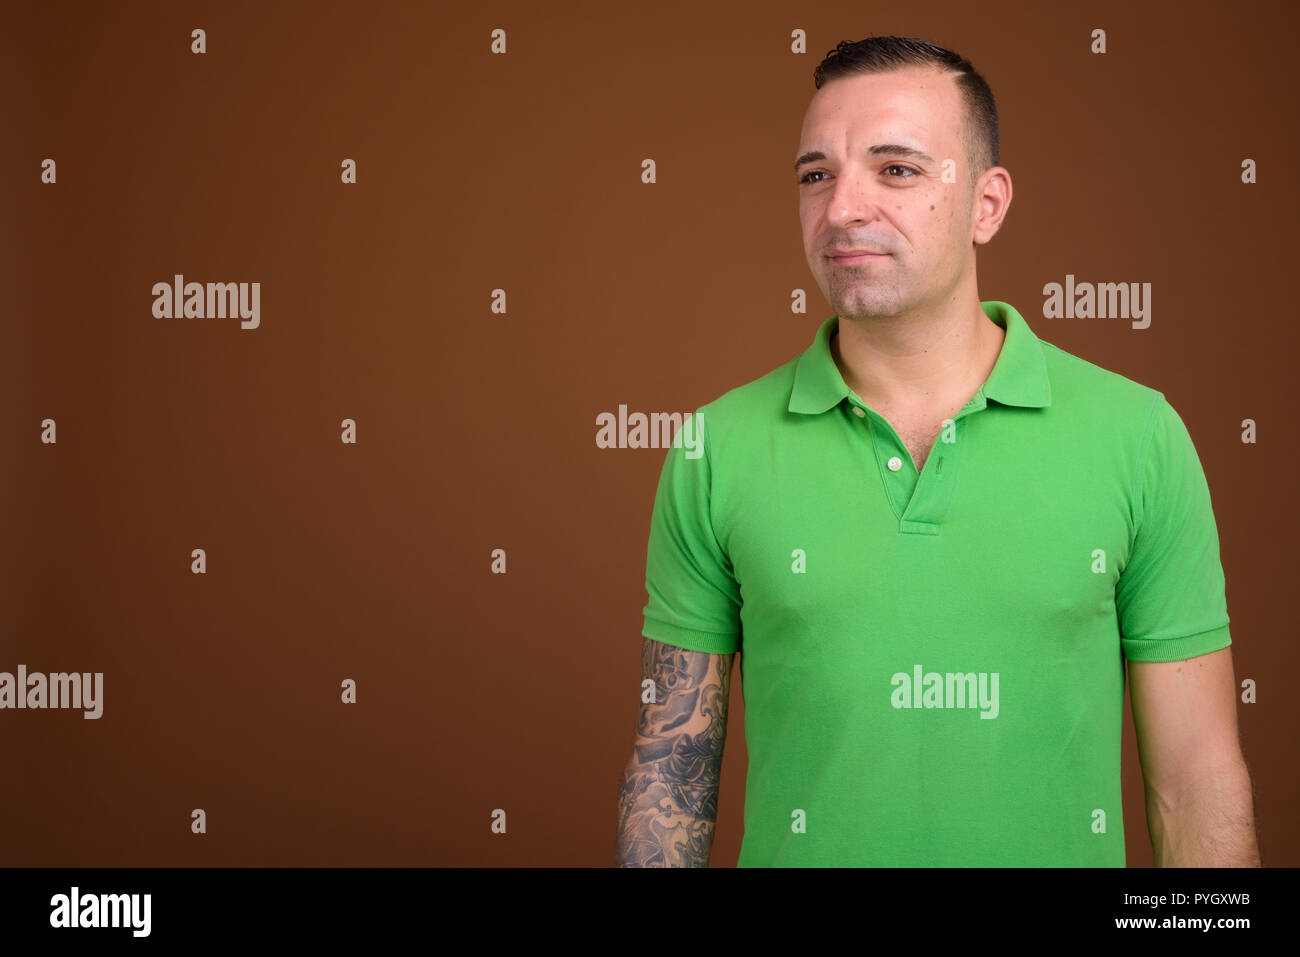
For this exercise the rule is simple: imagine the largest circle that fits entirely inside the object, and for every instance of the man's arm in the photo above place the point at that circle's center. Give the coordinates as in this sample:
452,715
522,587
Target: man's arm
668,798
1199,797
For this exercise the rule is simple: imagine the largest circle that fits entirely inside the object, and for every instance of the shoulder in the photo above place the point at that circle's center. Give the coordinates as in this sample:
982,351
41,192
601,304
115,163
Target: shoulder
752,408
1097,396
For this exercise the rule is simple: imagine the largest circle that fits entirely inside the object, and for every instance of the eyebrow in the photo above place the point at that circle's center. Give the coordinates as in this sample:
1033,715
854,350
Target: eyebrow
880,149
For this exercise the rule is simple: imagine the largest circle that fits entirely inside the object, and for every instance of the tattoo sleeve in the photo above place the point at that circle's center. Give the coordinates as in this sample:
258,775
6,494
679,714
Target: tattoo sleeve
668,797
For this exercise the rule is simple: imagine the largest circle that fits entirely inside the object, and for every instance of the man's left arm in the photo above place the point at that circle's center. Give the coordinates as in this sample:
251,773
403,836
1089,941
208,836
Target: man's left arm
1199,794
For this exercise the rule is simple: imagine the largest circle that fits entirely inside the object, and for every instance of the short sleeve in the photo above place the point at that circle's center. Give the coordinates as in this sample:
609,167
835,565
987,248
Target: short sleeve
694,598
1170,597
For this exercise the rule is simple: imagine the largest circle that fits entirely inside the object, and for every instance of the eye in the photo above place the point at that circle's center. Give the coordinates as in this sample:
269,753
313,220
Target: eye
805,180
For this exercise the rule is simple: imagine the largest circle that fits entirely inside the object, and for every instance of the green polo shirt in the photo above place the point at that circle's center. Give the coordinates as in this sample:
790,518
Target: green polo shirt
932,664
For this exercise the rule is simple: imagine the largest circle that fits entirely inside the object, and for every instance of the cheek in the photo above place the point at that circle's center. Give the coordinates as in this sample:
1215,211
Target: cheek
946,215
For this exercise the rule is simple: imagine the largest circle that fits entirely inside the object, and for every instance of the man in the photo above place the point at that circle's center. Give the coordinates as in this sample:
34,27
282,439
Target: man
935,539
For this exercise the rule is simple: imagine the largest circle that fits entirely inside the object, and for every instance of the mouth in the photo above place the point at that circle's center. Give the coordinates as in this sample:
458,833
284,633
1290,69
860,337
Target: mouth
850,259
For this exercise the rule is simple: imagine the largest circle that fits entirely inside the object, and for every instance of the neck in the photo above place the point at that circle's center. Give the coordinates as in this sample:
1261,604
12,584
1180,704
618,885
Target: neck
917,358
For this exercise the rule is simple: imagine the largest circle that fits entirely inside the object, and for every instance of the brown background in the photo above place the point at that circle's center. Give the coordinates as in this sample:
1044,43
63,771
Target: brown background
476,430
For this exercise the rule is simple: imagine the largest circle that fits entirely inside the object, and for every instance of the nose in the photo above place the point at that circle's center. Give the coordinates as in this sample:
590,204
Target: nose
853,201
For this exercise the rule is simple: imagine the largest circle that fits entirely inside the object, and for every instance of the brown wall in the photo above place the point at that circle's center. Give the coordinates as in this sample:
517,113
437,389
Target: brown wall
475,430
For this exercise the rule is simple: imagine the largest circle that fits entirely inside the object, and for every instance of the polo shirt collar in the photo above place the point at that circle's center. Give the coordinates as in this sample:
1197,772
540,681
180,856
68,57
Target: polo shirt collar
1019,376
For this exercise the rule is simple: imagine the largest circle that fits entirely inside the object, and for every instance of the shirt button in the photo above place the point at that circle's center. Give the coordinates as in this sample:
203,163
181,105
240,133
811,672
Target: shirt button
858,412
895,464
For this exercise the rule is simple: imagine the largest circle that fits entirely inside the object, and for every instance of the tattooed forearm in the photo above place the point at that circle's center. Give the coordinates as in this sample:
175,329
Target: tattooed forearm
668,798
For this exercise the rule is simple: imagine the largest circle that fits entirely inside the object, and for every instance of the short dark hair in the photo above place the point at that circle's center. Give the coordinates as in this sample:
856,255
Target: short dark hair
882,54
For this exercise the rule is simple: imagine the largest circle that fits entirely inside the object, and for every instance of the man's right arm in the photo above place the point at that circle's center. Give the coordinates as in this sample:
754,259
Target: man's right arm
668,799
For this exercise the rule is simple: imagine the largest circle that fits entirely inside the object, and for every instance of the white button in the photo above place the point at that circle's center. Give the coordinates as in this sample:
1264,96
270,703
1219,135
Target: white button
858,412
895,464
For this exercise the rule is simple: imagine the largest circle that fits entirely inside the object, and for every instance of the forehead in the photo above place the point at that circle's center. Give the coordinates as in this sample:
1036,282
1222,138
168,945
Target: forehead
917,104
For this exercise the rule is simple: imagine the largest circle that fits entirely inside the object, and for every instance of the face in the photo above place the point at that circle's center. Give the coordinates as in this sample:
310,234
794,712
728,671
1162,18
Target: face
879,186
